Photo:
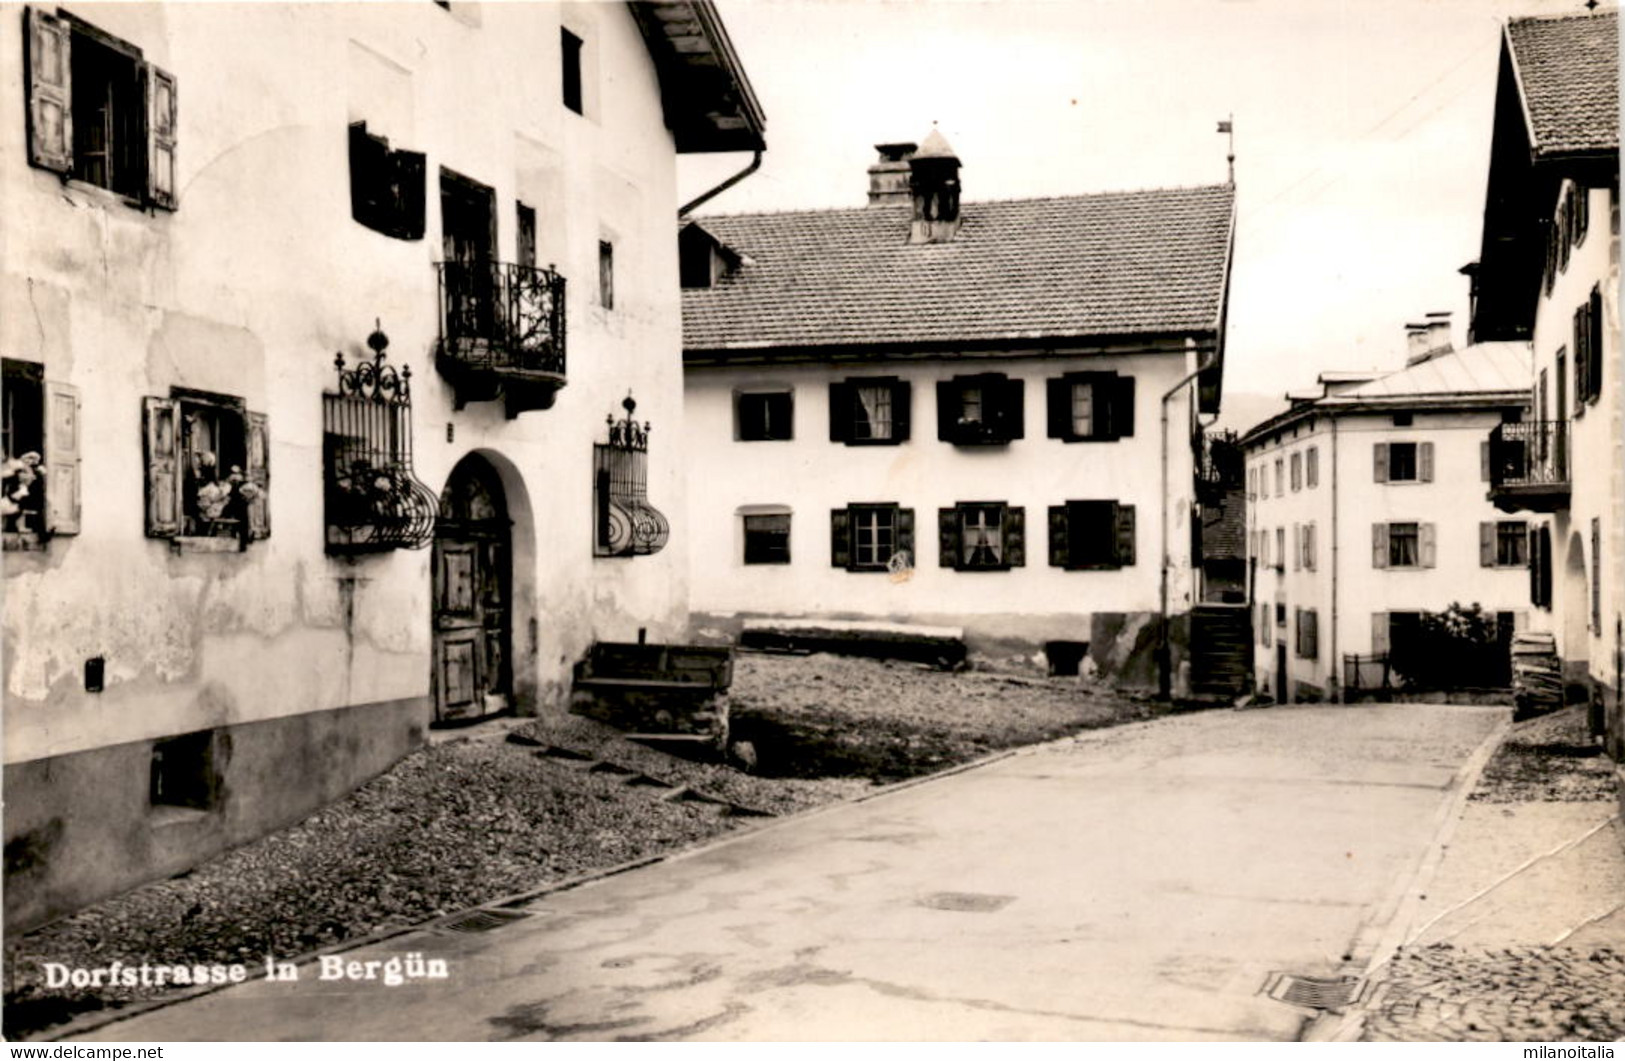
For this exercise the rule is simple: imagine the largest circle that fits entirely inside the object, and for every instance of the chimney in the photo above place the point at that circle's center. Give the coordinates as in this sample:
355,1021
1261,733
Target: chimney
1439,333
1427,340
934,186
1416,344
888,177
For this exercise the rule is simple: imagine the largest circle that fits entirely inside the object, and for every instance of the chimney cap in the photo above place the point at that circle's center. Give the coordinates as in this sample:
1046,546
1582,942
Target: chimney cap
1439,314
897,152
936,146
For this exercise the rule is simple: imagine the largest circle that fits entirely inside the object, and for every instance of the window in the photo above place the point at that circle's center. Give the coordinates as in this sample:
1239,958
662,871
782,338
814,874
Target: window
1297,472
1280,613
1402,462
183,773
1503,543
1402,545
1306,546
386,187
871,537
1403,419
1308,646
1588,351
869,411
1280,477
208,469
981,536
1280,540
1266,630
764,416
1311,468
606,274
1091,535
97,112
767,538
980,410
525,235
1091,407
39,492
570,56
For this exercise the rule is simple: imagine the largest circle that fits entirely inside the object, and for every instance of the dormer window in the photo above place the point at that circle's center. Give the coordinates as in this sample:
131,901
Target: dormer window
701,259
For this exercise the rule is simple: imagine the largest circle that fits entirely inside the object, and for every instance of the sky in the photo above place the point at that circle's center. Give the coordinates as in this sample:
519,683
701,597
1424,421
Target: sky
1361,135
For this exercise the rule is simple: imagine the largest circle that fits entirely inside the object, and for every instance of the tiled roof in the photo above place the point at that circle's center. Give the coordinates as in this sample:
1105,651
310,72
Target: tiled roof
1118,263
1568,69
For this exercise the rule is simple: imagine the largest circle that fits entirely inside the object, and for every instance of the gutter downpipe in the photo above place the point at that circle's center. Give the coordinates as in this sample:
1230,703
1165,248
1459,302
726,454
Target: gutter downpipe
755,164
1335,679
1164,660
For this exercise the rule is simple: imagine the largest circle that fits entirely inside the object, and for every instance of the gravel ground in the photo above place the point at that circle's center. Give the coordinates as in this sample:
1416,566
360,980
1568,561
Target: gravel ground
1550,758
467,821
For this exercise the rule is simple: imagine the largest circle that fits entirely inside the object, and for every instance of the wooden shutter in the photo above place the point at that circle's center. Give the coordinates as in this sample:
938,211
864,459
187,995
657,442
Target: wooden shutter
1015,537
1060,552
1486,544
1311,648
61,458
1427,536
947,535
1379,633
901,402
1426,450
1314,549
905,533
369,175
1297,546
1058,402
1484,461
1124,526
1120,406
840,412
1012,412
1379,462
840,538
1534,567
161,113
948,409
50,90
410,177
1594,341
1379,545
257,443
160,421
1596,575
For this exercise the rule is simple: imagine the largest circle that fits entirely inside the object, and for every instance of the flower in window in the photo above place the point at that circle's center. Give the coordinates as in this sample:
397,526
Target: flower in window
17,474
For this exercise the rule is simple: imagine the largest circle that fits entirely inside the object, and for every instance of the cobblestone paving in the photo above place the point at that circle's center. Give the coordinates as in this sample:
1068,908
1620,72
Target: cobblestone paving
1443,993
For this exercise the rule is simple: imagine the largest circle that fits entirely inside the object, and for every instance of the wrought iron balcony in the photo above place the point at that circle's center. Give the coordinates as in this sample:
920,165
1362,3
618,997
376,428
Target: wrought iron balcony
1529,466
502,333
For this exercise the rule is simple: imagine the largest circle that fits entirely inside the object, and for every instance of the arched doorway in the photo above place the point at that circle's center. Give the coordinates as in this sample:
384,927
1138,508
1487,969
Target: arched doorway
473,595
1576,603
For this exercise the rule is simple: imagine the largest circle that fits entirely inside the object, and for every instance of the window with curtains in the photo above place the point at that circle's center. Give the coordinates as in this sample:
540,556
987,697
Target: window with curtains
871,537
982,536
869,411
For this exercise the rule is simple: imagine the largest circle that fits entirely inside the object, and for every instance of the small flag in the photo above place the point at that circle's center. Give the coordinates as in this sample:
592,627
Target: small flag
1224,126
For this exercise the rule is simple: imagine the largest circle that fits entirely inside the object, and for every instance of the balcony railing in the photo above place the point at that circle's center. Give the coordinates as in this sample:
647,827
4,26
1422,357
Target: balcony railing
1529,466
502,333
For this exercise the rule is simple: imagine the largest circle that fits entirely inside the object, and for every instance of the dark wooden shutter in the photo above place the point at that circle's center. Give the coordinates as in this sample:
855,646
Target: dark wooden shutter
61,458
50,90
1120,415
840,412
1546,565
1594,318
840,538
1060,551
1427,540
369,175
161,112
1534,567
160,421
948,408
947,536
410,178
1484,461
1015,537
905,533
1012,401
1379,462
257,444
1426,460
1123,520
1486,544
901,404
1379,545
1058,401
1596,575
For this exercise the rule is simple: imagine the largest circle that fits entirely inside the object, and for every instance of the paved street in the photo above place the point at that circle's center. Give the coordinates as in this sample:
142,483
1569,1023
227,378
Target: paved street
1137,883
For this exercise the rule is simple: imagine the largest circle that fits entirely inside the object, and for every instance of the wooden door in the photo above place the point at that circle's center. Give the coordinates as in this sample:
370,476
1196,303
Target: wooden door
472,594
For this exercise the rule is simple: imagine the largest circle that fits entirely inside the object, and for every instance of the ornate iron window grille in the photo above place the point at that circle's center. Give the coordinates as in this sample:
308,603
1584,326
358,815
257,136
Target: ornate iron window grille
626,524
373,500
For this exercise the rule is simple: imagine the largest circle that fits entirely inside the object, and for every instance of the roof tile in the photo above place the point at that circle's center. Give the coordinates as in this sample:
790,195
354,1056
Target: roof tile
1568,67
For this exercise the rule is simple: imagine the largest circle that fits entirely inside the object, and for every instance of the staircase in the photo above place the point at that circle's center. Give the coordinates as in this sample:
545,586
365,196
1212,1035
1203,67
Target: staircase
1221,650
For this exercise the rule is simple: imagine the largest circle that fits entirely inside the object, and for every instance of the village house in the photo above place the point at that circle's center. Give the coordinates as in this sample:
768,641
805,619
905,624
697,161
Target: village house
983,415
1548,273
307,375
1366,509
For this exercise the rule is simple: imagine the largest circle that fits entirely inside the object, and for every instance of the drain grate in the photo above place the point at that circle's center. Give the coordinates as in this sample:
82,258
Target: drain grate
482,919
966,902
1317,992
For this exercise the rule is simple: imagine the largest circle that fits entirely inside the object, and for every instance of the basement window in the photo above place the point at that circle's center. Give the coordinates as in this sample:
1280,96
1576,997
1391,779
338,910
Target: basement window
183,772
